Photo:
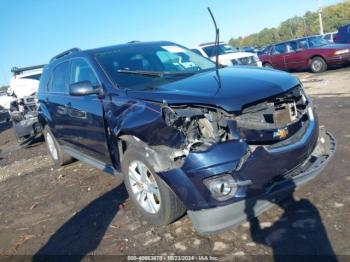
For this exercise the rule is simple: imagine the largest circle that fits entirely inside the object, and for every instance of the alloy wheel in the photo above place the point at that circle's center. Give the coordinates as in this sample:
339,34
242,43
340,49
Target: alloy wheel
144,187
51,146
317,65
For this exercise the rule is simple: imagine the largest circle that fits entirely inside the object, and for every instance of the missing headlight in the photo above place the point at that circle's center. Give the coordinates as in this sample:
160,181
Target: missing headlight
202,127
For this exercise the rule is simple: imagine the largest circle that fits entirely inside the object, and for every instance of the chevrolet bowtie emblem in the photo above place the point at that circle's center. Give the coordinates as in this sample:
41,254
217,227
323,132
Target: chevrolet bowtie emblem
281,133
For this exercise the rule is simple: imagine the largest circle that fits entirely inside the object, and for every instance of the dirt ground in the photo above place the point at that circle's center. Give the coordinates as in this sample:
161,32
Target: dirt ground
79,210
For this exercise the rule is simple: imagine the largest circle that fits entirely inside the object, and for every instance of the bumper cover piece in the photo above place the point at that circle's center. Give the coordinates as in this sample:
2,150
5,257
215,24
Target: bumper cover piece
219,218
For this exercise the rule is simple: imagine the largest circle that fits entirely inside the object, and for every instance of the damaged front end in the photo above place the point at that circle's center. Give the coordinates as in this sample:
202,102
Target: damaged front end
24,116
228,157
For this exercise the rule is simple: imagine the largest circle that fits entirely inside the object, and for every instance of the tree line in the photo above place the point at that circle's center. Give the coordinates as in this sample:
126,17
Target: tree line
298,26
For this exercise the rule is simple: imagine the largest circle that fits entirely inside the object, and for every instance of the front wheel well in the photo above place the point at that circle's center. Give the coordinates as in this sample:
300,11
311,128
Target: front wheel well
314,56
266,64
317,64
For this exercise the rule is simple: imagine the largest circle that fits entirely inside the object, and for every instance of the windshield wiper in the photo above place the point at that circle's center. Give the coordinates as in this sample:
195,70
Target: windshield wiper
140,72
154,73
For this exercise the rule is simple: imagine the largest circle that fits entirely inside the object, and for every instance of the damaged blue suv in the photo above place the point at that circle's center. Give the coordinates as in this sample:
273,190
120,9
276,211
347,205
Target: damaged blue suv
222,144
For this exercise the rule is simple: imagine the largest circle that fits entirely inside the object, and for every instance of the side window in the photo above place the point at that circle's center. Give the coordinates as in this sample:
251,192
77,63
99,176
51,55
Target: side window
209,50
59,79
292,47
43,80
81,71
303,44
279,49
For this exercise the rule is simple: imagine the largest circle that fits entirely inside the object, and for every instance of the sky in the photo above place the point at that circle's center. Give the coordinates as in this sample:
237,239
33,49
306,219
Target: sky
33,31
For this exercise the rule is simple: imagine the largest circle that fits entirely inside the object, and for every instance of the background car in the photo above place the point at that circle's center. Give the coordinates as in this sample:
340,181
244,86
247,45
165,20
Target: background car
228,55
249,49
330,36
22,104
314,53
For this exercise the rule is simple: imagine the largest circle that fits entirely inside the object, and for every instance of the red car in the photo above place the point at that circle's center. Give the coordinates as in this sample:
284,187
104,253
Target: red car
314,53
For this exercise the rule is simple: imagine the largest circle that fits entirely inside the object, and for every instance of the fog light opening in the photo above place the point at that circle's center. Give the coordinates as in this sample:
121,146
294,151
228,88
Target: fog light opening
221,187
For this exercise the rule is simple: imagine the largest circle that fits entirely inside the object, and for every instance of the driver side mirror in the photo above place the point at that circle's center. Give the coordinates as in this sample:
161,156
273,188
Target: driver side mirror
84,88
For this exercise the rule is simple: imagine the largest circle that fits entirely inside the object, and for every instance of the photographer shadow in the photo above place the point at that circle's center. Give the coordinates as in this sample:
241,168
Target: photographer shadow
298,235
83,232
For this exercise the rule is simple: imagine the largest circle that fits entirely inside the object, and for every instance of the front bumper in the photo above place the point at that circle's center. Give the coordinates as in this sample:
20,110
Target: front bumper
219,218
339,59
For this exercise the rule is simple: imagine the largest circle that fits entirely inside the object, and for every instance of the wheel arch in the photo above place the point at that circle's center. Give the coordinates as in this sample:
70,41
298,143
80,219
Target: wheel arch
316,55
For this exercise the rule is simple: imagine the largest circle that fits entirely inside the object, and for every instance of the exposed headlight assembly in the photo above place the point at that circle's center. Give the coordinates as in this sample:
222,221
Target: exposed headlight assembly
202,127
341,52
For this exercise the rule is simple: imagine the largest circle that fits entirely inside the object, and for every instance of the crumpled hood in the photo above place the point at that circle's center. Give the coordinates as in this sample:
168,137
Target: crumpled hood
239,86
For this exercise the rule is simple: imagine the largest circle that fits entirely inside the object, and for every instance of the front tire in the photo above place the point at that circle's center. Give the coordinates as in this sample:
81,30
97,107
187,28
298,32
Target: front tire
318,65
153,198
58,156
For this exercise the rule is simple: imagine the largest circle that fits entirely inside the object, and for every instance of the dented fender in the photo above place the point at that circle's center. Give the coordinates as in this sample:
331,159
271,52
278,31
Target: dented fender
129,119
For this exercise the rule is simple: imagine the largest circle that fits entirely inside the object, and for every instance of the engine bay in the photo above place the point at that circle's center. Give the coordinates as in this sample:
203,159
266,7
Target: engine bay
263,123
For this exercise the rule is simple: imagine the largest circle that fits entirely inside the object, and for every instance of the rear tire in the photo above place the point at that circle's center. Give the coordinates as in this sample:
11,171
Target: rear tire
318,65
268,65
58,156
153,198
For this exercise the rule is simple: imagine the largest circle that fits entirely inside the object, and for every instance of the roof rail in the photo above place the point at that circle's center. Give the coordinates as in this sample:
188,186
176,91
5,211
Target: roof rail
17,70
67,52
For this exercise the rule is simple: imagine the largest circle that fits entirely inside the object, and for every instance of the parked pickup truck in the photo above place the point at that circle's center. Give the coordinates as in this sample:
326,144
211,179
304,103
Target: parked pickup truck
222,144
228,56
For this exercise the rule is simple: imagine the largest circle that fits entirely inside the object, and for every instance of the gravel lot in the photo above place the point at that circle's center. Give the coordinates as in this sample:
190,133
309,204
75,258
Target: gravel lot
79,210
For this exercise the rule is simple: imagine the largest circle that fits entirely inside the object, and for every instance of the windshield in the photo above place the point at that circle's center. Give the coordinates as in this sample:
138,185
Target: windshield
145,65
223,49
315,41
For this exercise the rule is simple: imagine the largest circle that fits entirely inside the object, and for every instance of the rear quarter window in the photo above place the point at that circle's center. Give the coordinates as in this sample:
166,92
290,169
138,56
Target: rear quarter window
59,79
44,80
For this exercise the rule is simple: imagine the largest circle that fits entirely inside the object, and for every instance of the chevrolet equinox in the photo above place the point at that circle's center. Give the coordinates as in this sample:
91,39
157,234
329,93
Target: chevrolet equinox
184,135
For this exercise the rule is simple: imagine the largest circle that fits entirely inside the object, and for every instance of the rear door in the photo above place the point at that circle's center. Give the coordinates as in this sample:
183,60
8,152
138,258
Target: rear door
295,57
56,99
278,53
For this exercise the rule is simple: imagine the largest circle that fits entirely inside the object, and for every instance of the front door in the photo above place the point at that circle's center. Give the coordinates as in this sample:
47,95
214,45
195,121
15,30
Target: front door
86,114
295,57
